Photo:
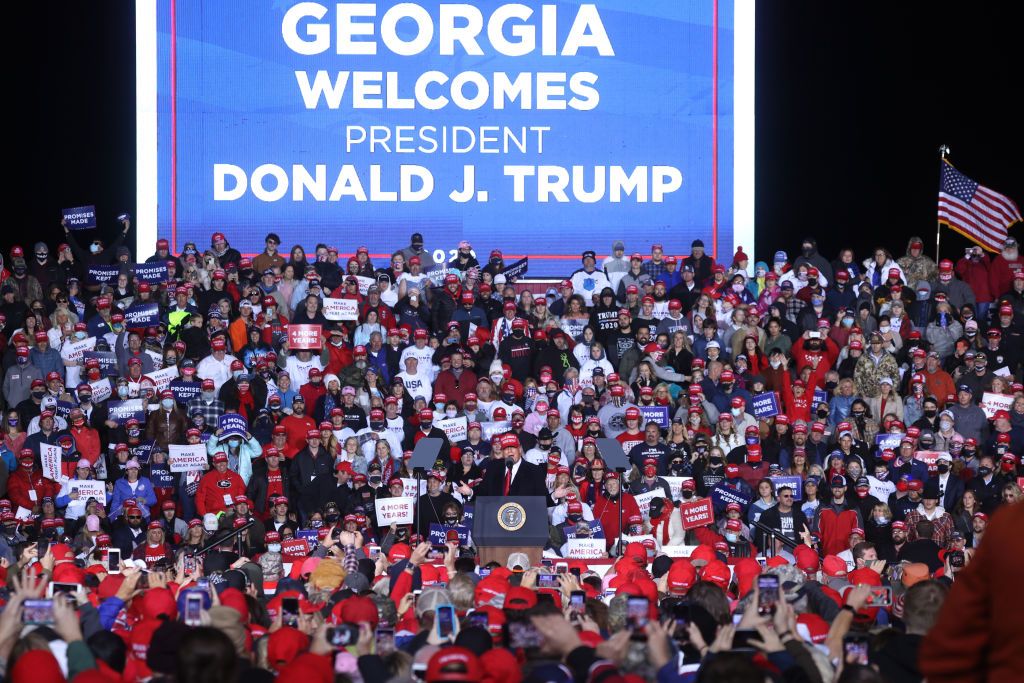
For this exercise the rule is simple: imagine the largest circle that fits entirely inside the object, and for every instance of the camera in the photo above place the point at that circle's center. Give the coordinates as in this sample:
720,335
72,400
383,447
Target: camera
343,635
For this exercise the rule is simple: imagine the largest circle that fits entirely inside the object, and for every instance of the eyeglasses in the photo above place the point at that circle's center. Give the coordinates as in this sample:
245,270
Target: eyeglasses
786,495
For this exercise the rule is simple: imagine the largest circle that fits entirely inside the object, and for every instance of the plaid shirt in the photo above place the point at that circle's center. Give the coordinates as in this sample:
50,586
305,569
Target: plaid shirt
654,269
944,526
793,308
211,412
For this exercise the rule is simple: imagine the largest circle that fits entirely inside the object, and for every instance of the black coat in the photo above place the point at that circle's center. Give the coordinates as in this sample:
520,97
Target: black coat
529,481
771,518
256,491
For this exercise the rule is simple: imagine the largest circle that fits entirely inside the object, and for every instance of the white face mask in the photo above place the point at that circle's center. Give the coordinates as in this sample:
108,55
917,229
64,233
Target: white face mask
274,547
945,425
776,364
884,329
167,403
737,411
497,378
451,412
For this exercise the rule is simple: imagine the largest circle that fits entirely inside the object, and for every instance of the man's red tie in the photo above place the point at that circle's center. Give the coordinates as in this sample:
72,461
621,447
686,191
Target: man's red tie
508,480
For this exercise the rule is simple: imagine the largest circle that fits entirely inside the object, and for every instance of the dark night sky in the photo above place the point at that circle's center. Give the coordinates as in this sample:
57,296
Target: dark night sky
853,100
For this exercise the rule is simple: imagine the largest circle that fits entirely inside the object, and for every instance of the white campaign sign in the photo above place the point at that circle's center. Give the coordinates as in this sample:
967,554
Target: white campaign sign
991,403
50,455
90,488
675,484
101,390
341,309
585,548
643,500
395,510
187,458
409,487
74,351
454,428
162,378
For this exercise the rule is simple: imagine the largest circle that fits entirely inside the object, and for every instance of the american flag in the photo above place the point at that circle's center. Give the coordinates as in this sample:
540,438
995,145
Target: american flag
976,212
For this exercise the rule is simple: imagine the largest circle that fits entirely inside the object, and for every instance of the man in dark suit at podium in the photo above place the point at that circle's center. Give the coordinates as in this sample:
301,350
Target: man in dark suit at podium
517,477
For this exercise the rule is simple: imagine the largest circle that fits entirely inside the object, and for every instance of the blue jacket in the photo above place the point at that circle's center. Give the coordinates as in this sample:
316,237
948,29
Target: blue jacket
143,493
48,361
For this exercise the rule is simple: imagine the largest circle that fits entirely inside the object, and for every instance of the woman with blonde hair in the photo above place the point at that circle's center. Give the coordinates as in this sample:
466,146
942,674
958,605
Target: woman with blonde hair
726,437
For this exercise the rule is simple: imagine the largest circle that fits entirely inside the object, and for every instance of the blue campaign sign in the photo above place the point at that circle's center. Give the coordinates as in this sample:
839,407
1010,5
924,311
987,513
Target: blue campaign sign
723,494
537,128
106,359
152,273
765,405
596,531
161,477
312,537
142,315
64,409
143,451
890,441
79,217
438,534
102,275
185,391
820,396
231,424
122,411
792,481
656,414
467,516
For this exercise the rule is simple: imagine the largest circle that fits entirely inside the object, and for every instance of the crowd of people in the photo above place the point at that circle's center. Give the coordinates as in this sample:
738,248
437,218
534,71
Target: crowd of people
811,467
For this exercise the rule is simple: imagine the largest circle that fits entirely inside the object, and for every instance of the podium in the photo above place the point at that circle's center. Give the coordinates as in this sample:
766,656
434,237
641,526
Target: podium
506,525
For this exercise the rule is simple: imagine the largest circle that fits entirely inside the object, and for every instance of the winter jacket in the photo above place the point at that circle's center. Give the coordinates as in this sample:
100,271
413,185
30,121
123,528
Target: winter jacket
214,488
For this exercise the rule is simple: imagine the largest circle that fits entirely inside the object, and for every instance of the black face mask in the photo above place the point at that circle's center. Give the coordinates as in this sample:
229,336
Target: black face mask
451,520
930,413
984,471
831,386
822,414
332,518
858,414
715,460
942,468
687,495
655,509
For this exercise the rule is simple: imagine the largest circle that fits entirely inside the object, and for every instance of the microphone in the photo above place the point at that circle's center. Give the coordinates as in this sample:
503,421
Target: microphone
509,464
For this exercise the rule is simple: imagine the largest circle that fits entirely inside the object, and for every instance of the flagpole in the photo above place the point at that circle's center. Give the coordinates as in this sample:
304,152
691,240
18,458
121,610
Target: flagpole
943,151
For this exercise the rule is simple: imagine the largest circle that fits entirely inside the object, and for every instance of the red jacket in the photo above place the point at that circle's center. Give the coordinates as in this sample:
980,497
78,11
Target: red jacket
834,527
296,428
340,357
802,356
455,389
87,441
212,489
607,512
21,482
1000,275
975,274
802,408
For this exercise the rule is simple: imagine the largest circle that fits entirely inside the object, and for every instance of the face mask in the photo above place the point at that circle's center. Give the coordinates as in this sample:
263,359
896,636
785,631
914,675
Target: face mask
858,414
945,425
737,287
451,412
274,547
208,395
731,537
122,392
817,301
942,468
361,364
94,248
715,460
884,329
737,411
575,519
822,413
234,443
848,321
776,364
881,520
167,403
22,360
984,471
508,398
84,398
830,386
80,335
930,413
316,523
451,520
496,378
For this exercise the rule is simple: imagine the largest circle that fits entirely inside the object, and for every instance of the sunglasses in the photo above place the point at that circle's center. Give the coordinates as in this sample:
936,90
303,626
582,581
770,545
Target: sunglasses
134,516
